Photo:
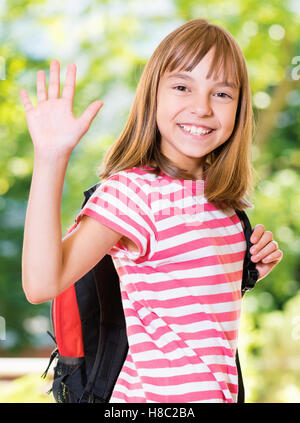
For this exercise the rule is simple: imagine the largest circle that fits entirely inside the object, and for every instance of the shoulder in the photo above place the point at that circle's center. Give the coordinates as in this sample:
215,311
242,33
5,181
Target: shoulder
133,174
129,186
135,179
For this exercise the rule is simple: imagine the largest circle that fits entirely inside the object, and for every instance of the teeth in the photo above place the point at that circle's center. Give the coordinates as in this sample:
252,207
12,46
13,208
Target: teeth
194,130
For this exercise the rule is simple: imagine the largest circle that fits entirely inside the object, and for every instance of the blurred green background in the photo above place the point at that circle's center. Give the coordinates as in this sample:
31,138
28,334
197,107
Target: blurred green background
110,42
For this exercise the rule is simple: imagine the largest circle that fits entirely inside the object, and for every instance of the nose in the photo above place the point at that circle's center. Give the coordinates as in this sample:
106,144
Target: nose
201,106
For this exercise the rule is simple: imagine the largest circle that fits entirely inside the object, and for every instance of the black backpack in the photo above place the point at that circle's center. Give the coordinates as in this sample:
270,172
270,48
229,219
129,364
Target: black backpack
90,330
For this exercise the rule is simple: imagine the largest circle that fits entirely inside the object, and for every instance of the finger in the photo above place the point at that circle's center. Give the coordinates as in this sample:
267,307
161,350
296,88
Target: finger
54,85
69,87
264,252
276,256
89,114
26,100
257,233
41,89
266,237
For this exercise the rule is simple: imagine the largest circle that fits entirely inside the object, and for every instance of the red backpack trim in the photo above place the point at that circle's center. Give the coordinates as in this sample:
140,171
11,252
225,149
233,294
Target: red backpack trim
66,322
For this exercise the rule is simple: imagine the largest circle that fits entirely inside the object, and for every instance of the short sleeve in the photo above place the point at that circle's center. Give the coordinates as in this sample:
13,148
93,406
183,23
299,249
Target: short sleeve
121,204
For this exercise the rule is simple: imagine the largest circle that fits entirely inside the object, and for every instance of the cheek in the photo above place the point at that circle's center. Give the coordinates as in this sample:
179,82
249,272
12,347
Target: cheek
159,117
227,118
163,113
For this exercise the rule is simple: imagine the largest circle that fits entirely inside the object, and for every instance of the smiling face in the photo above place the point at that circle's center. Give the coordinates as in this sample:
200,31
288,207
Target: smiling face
188,105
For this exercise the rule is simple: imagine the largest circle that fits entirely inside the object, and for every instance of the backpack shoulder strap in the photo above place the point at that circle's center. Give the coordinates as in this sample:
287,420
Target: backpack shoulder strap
89,192
250,273
250,276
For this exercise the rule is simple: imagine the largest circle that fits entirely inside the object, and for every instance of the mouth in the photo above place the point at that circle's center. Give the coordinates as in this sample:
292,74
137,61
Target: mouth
195,133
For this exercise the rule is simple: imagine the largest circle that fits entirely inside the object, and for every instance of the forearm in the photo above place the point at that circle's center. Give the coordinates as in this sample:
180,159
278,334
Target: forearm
42,243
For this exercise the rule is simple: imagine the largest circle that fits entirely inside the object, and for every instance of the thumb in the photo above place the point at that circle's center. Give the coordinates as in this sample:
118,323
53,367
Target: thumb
89,114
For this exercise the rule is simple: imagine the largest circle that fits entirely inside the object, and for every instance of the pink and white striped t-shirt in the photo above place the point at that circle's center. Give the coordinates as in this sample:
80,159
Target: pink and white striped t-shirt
181,291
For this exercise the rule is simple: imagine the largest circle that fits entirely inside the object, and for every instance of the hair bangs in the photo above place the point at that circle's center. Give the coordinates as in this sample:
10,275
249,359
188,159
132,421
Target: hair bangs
224,65
188,55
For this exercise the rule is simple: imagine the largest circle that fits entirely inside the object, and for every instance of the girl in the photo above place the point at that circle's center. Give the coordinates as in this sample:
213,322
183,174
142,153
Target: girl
185,147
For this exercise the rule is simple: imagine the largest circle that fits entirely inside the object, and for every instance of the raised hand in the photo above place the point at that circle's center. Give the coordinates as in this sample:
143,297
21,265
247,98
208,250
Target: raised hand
54,130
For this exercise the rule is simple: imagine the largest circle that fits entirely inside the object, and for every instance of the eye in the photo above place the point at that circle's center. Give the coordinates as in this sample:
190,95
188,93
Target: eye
224,95
180,86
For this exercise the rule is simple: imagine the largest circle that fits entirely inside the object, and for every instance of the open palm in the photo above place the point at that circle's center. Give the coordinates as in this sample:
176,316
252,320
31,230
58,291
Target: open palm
52,125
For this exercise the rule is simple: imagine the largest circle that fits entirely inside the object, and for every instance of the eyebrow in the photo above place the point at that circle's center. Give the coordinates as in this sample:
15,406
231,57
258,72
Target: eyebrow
189,78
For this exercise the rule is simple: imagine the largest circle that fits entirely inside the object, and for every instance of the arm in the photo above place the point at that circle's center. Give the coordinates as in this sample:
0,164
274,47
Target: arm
49,264
42,248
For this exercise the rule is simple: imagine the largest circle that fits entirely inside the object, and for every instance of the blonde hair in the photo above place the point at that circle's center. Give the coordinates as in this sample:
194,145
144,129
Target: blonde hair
228,169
